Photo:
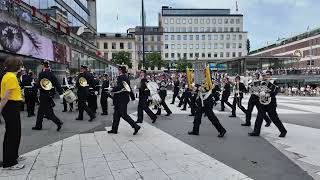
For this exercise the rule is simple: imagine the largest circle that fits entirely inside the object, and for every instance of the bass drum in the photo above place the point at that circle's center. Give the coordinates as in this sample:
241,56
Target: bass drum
69,96
153,88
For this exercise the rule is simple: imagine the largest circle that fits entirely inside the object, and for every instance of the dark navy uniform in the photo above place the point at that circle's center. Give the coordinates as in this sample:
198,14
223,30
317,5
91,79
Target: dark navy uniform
30,93
163,95
65,88
206,108
271,109
120,101
254,101
237,99
183,94
143,105
92,97
225,96
176,90
104,97
46,100
82,94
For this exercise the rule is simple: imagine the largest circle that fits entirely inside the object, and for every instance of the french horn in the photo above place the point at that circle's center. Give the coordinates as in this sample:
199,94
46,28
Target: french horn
126,88
83,82
46,84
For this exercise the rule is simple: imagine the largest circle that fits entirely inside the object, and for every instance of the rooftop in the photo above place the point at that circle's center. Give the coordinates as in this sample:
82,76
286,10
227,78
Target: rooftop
169,11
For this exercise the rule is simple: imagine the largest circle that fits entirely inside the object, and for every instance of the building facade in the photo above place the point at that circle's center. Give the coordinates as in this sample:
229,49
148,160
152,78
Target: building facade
302,45
58,31
153,41
203,34
111,43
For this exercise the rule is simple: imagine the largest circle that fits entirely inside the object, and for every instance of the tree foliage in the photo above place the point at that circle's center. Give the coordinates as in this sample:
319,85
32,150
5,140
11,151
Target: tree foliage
122,58
154,60
182,65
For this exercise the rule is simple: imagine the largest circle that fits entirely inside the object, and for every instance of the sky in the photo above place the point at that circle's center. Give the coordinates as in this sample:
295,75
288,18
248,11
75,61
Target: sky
264,20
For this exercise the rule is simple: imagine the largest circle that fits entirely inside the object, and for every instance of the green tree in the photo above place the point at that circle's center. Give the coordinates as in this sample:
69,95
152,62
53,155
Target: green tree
154,60
248,46
122,58
182,65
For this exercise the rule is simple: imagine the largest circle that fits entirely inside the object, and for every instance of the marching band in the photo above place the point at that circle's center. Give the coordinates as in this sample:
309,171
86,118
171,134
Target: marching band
201,98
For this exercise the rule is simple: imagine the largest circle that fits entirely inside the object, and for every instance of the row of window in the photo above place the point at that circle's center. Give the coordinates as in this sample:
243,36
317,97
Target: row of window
203,55
152,38
202,21
203,37
205,46
115,46
202,29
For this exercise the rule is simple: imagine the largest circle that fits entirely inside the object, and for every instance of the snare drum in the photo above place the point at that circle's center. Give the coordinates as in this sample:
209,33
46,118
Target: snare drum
69,96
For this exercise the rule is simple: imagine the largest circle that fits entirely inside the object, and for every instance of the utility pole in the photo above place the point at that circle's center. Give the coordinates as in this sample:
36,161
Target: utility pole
143,34
310,44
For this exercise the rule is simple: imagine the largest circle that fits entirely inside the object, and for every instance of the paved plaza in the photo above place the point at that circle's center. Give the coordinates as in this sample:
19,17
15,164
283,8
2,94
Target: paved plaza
163,150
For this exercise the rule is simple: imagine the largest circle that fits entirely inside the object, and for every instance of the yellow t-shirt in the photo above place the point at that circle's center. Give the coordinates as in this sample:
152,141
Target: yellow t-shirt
10,82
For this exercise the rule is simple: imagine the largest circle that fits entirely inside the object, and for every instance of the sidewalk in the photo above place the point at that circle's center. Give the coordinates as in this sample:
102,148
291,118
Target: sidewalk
151,155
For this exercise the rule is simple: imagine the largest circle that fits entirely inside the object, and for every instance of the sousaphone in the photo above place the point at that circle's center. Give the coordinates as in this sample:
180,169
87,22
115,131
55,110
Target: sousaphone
46,84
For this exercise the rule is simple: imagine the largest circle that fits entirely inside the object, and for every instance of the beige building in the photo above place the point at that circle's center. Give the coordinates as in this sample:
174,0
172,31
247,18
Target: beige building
110,43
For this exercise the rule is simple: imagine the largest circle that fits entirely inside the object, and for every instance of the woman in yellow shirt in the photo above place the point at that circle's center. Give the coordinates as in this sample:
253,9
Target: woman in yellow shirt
10,108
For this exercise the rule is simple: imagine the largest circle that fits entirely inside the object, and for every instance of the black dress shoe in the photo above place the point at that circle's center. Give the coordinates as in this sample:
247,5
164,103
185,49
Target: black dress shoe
104,114
221,110
168,114
158,114
92,118
183,109
59,126
283,134
138,121
154,120
191,114
171,103
112,132
79,119
246,124
136,130
193,133
233,116
222,134
253,134
268,124
64,111
36,128
178,106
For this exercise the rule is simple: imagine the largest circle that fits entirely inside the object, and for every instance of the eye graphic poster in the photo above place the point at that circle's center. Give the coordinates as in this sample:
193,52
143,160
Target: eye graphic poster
17,40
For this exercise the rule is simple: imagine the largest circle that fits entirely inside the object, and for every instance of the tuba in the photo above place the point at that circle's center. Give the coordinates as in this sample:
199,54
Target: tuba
264,93
46,84
83,82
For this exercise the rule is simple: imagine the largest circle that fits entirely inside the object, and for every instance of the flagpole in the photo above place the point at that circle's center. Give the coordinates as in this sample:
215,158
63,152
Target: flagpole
143,34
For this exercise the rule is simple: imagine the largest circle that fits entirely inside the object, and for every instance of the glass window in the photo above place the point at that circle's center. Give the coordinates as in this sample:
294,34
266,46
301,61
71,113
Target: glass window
195,29
226,21
191,37
203,55
121,45
114,45
165,29
234,54
208,29
215,54
237,29
166,55
225,29
240,36
159,38
166,37
184,46
183,29
105,45
219,29
184,55
197,37
185,37
203,46
197,46
214,21
191,46
231,29
228,37
221,37
238,21
203,37
239,54
129,45
189,29
234,45
221,45
219,21
208,21
240,46
227,54
209,46
190,21
202,29
179,46
166,46
191,55
234,37
152,48
209,37
177,29
178,21
179,37
166,21
216,37
214,29
196,21
98,45
172,46
159,47
209,55
172,29
231,21
172,37
201,21
152,38
183,21
172,55
227,45
221,54
171,21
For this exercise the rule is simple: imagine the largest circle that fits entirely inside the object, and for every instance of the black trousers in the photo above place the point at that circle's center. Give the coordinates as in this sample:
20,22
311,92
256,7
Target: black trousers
182,99
104,104
164,105
12,136
271,109
65,105
211,116
46,110
30,100
120,111
92,102
237,101
224,100
175,95
82,103
143,106
254,101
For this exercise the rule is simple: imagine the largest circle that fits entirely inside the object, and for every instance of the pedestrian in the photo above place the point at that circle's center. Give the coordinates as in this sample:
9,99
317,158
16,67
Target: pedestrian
11,99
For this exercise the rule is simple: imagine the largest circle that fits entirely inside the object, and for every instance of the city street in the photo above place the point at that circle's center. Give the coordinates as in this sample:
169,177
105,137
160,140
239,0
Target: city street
165,150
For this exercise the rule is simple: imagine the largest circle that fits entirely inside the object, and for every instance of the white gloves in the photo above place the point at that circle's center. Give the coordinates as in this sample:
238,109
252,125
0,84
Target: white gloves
61,96
96,93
